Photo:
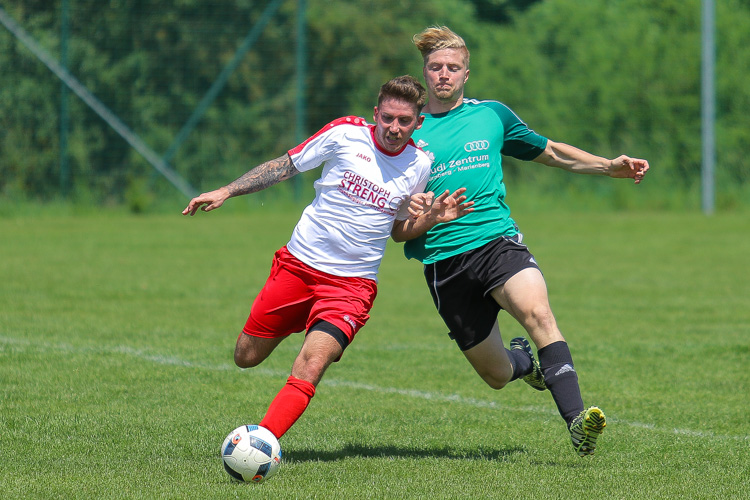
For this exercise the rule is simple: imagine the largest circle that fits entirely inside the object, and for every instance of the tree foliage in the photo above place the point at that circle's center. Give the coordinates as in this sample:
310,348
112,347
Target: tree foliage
612,77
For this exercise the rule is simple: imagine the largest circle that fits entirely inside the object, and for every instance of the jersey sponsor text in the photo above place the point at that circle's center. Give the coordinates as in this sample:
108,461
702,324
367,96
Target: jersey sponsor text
365,192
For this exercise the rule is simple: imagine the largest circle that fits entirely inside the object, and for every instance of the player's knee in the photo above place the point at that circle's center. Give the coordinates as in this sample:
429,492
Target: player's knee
245,358
251,351
540,318
496,379
243,361
496,383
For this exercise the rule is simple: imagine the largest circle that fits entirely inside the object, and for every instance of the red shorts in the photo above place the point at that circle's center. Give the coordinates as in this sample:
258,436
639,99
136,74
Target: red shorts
296,296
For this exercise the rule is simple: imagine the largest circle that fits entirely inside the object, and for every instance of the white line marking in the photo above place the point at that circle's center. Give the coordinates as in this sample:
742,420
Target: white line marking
161,359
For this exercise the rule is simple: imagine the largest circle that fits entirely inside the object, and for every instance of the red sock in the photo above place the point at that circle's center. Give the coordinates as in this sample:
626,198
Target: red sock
288,405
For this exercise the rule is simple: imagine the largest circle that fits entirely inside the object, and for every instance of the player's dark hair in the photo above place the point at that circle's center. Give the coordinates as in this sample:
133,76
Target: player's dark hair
404,88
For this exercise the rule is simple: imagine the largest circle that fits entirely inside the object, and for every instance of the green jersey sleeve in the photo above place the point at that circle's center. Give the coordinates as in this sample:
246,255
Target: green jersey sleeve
520,141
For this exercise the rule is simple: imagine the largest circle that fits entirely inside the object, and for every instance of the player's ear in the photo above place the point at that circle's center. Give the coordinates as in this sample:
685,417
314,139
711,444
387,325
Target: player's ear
420,121
375,114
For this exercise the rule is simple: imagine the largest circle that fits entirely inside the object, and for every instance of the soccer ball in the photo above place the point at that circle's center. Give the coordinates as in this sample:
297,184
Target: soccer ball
251,454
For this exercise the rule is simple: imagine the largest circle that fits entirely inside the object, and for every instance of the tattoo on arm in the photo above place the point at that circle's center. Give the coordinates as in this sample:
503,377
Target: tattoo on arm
264,175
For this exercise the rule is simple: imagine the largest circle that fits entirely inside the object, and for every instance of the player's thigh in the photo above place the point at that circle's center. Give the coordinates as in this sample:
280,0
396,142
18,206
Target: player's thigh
490,359
524,296
318,351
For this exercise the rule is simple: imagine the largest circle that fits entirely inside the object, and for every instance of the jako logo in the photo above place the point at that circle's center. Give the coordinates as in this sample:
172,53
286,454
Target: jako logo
476,146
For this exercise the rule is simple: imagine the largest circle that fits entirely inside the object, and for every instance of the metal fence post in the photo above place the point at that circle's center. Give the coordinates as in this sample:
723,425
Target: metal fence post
64,101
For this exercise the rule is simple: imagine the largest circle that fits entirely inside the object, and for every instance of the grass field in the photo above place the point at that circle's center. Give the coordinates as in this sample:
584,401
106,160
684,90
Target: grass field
117,381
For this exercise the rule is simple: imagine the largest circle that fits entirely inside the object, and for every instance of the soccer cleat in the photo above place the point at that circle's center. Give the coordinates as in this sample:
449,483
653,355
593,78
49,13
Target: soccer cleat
536,378
585,429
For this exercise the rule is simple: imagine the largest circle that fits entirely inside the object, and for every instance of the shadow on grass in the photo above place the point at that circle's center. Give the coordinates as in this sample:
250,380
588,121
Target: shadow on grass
355,451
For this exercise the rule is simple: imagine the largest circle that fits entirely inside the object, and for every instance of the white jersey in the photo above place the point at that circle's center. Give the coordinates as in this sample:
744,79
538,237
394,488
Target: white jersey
359,195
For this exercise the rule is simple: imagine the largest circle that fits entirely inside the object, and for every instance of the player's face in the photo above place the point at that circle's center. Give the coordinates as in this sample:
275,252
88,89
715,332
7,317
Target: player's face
445,74
395,121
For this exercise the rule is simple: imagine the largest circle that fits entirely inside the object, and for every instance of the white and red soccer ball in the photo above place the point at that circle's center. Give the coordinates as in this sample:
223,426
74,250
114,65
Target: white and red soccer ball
251,454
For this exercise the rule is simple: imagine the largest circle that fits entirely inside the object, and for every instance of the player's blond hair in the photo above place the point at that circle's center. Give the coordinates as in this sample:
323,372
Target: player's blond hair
439,37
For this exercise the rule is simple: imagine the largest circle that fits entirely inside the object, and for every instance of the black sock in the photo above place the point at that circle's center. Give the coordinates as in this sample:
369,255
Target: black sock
561,379
521,363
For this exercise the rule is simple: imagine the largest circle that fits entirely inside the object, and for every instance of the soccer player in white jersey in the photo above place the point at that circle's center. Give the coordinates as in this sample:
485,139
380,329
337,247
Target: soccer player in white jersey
323,281
478,265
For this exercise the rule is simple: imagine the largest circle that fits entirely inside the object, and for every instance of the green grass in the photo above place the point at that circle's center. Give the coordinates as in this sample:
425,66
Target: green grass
116,374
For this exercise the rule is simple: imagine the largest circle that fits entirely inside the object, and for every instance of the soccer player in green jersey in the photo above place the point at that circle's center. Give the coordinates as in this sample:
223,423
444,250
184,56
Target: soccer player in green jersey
478,265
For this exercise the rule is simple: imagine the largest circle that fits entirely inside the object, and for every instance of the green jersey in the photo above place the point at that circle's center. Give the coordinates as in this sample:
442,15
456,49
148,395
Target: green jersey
465,145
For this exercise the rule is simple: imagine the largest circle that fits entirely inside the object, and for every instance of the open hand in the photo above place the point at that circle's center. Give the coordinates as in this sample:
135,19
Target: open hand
445,208
207,201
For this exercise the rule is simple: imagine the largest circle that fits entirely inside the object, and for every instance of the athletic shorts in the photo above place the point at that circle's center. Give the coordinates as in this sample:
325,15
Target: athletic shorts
461,286
296,296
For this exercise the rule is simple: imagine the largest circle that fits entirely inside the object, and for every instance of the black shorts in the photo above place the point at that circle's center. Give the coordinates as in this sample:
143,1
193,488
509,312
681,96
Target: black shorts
461,286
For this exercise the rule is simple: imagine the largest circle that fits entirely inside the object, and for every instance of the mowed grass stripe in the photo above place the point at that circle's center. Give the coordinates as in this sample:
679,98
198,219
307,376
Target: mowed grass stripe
171,360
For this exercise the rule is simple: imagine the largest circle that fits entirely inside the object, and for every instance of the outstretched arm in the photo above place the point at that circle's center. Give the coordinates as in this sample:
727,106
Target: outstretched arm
572,159
264,175
428,211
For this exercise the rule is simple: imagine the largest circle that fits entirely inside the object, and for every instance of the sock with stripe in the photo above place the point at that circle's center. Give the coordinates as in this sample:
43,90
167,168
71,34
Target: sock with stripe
561,379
